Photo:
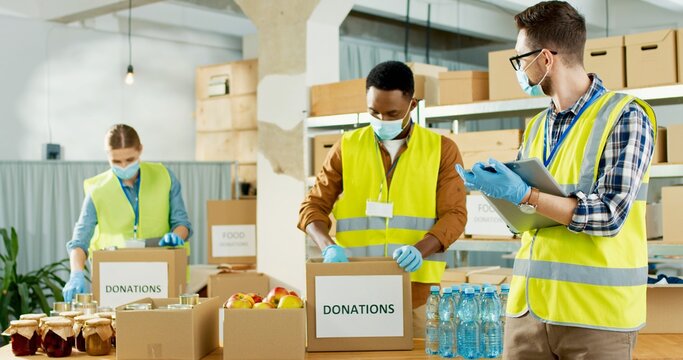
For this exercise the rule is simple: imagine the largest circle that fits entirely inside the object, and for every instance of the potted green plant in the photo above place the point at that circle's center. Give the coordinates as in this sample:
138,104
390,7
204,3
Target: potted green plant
29,292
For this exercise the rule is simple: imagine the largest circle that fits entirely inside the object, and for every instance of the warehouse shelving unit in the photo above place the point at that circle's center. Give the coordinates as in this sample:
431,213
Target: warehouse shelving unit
661,95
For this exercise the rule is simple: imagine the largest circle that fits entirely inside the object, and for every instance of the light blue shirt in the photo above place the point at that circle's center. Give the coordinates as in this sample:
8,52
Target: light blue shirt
85,227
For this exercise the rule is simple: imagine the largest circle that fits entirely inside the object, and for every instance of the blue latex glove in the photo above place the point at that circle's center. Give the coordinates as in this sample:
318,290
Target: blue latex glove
501,184
75,285
171,239
408,257
334,254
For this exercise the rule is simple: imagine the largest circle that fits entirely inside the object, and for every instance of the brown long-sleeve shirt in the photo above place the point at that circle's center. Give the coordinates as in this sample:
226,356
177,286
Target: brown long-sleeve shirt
450,197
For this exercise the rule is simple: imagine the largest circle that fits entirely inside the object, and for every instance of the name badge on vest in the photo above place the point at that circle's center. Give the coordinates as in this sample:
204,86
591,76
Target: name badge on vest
379,209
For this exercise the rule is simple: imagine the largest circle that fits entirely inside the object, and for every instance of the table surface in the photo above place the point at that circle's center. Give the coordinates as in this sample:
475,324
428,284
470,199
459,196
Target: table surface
648,347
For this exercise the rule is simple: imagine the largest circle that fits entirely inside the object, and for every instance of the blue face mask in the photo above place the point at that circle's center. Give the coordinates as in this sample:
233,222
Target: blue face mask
390,129
523,79
128,172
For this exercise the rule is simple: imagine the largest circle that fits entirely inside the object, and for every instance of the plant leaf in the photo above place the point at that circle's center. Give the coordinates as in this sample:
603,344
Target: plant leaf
42,300
56,290
23,298
15,243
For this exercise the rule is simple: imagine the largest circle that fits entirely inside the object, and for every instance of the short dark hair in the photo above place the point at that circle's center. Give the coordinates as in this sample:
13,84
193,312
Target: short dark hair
555,25
391,75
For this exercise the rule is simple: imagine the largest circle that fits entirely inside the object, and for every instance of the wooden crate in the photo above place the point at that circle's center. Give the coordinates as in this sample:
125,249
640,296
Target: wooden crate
242,75
227,146
347,97
232,112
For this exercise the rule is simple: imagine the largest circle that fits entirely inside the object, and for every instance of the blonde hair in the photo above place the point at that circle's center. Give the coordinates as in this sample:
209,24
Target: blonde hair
122,136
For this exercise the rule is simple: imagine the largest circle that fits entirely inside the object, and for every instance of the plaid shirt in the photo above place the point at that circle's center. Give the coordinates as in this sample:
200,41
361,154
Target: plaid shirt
622,165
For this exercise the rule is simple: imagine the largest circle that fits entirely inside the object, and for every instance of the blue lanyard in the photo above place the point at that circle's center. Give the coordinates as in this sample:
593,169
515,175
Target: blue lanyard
549,158
136,204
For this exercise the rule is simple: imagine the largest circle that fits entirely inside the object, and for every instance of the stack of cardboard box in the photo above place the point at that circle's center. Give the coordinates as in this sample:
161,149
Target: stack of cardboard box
226,121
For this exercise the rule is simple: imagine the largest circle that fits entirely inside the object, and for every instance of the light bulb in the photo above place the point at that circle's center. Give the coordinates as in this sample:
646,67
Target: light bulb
130,75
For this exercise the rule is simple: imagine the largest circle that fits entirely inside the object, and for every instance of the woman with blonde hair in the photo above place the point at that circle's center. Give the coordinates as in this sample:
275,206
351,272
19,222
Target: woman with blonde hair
132,200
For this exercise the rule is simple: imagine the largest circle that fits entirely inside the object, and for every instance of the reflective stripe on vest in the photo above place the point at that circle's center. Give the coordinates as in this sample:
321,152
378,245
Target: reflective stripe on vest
412,192
577,279
115,216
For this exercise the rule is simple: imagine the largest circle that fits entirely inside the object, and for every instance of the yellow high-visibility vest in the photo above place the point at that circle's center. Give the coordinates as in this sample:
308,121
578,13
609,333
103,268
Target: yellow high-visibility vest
412,192
115,215
575,279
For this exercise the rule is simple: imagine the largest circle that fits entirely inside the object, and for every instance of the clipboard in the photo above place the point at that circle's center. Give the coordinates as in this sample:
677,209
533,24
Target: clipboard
536,175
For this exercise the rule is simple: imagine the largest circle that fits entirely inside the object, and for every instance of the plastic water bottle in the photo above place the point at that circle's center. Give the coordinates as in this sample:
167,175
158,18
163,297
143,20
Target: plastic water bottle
455,291
446,327
468,329
491,332
504,292
477,292
432,325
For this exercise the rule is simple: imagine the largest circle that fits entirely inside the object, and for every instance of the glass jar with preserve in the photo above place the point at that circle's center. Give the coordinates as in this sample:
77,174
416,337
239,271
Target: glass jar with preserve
24,337
41,327
98,333
111,316
79,323
58,335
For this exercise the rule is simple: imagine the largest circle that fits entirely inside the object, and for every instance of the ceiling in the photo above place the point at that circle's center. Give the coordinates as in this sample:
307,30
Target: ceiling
483,19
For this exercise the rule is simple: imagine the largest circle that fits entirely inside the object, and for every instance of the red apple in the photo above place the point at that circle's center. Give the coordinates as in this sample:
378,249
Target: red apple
241,296
276,294
290,302
256,297
264,305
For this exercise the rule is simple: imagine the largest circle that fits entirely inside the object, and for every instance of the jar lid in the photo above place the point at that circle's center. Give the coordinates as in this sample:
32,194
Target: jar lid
32,316
57,323
106,315
83,318
23,323
70,314
49,318
61,306
84,297
179,307
139,306
98,322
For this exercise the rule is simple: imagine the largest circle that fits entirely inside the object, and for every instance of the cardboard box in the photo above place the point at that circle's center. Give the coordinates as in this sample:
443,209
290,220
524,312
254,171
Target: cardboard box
125,275
478,141
482,218
264,334
660,154
167,334
235,112
664,309
431,80
607,58
672,198
348,97
233,145
321,146
503,83
224,285
342,295
653,221
232,231
494,275
674,145
679,45
461,87
651,59
471,158
242,77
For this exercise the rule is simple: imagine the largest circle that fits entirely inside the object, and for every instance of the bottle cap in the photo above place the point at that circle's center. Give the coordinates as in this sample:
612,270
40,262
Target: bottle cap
434,288
447,290
455,288
505,287
469,290
489,290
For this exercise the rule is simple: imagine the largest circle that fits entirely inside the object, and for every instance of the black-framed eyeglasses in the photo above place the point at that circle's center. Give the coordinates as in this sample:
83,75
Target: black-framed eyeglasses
516,61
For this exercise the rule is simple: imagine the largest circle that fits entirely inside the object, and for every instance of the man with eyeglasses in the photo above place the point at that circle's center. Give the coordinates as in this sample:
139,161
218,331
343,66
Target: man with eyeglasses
578,290
392,187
